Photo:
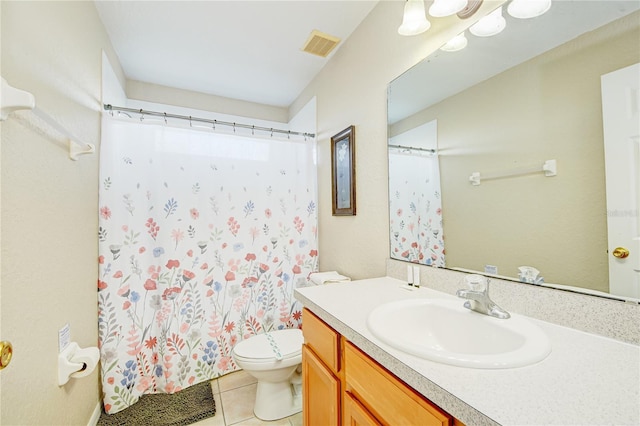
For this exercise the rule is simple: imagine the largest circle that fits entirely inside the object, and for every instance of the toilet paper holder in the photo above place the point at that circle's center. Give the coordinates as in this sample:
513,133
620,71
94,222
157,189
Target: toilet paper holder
75,362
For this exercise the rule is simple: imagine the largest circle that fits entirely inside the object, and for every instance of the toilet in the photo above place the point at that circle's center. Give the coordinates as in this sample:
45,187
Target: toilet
275,360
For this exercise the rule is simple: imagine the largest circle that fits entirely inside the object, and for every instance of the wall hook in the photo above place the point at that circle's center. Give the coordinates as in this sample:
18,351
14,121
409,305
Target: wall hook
12,99
76,149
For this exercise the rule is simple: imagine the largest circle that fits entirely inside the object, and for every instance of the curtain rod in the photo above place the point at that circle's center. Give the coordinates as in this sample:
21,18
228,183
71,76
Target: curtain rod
142,112
411,148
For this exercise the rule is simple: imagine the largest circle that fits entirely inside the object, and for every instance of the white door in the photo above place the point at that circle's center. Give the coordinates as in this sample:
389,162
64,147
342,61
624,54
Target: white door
621,119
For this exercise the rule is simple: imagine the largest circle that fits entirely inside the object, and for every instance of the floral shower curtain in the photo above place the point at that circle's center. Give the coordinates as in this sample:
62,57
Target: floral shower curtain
415,208
202,239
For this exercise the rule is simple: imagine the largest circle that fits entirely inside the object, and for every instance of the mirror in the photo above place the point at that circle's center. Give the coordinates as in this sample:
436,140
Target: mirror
503,107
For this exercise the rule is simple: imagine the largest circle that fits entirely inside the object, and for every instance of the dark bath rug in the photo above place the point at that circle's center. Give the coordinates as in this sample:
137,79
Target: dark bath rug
188,406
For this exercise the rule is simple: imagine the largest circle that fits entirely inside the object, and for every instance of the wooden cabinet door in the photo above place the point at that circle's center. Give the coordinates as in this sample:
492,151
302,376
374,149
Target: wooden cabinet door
321,392
355,414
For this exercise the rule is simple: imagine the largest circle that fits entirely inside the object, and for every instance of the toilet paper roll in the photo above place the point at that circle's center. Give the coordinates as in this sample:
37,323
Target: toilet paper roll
89,358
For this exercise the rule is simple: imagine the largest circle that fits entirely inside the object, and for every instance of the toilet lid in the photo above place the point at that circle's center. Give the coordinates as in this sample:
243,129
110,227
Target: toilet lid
288,342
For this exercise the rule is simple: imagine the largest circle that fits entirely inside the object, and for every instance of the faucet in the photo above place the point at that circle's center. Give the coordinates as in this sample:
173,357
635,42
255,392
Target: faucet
478,297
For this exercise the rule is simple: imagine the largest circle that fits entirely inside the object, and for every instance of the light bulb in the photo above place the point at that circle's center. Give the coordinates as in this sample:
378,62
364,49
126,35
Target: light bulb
490,25
441,8
459,42
525,9
414,20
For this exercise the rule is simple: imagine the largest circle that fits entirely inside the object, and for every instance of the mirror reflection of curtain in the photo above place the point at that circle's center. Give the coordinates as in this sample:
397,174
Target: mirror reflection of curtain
203,238
415,207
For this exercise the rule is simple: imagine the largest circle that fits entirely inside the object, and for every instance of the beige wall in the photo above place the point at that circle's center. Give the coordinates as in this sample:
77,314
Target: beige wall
352,89
49,207
546,108
205,102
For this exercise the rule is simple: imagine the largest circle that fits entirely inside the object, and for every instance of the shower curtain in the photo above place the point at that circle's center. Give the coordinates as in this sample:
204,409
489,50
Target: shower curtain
202,239
415,208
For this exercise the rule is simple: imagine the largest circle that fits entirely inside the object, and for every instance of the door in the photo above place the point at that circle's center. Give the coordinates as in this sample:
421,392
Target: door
321,392
355,414
621,120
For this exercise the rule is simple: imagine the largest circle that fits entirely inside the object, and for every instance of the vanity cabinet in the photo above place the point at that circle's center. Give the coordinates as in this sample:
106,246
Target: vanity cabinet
344,386
321,372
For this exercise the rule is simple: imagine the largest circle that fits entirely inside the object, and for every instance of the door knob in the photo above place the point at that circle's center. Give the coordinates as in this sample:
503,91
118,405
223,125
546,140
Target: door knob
620,252
6,352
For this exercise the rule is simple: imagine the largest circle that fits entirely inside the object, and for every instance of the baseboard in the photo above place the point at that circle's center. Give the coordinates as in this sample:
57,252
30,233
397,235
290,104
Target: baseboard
95,416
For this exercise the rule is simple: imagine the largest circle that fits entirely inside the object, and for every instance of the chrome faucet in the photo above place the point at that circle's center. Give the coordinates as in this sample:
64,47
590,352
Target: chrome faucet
478,297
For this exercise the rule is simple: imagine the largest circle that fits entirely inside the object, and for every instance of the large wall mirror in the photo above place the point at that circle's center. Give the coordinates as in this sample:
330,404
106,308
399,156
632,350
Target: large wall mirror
506,108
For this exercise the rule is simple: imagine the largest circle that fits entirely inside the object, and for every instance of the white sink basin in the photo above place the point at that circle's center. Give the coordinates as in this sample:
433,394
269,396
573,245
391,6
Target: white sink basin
444,331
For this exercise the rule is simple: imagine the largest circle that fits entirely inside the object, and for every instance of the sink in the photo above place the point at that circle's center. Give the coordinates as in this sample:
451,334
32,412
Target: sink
444,331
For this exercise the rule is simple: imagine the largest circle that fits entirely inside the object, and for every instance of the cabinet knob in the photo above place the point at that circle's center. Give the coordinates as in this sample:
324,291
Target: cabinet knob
620,252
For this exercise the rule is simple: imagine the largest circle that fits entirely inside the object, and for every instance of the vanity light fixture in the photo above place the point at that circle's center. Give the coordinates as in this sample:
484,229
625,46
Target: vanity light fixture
414,20
459,42
490,25
525,9
441,8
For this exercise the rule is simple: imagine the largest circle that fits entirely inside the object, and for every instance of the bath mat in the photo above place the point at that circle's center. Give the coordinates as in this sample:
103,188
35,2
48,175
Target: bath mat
188,406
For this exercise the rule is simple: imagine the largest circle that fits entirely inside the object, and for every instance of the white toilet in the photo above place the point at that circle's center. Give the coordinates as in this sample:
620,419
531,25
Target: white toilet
275,360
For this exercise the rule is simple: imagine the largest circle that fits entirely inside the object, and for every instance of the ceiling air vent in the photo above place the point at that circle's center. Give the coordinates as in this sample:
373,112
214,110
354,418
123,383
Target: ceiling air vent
320,44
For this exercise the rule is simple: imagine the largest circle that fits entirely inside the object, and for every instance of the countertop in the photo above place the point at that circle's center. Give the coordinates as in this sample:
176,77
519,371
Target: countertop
586,380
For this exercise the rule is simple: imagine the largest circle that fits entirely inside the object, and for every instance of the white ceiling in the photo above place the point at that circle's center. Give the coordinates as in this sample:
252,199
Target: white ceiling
247,50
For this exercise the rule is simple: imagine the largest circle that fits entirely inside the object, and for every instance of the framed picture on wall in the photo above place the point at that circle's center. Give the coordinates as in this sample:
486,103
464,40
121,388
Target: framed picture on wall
343,172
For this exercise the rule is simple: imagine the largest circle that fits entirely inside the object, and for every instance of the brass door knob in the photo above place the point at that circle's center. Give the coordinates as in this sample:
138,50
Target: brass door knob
620,252
6,353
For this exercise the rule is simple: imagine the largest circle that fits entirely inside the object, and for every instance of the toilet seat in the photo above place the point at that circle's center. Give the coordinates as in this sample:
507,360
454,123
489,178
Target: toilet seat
258,348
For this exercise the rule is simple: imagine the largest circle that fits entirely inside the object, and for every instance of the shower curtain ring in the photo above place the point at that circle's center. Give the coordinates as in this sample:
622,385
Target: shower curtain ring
272,132
252,129
165,118
141,115
234,127
190,124
289,135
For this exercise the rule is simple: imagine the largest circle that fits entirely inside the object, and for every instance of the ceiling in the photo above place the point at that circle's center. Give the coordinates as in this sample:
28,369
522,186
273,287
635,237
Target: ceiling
247,50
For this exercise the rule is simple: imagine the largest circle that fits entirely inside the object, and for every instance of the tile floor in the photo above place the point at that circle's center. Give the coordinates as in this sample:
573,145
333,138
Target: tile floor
234,395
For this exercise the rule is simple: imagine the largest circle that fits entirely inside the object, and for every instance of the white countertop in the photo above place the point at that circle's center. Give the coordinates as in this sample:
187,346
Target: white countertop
586,380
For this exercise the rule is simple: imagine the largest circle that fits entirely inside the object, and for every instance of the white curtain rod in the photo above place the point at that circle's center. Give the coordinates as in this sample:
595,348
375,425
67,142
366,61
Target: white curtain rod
142,112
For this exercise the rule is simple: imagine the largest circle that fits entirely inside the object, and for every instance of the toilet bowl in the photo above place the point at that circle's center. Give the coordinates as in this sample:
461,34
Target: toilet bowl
274,359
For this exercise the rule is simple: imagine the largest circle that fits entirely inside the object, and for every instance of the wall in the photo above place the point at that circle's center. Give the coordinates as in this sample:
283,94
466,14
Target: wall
49,206
184,98
352,90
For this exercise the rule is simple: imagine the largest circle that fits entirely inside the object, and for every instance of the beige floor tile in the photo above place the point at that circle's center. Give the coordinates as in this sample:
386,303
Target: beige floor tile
237,403
215,387
296,419
218,419
257,422
235,380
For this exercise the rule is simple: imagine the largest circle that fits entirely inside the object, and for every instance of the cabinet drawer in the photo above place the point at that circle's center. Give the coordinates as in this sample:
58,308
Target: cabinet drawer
324,340
389,399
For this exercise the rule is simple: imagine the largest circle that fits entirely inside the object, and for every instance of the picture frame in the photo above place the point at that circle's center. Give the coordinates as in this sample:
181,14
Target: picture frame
343,172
